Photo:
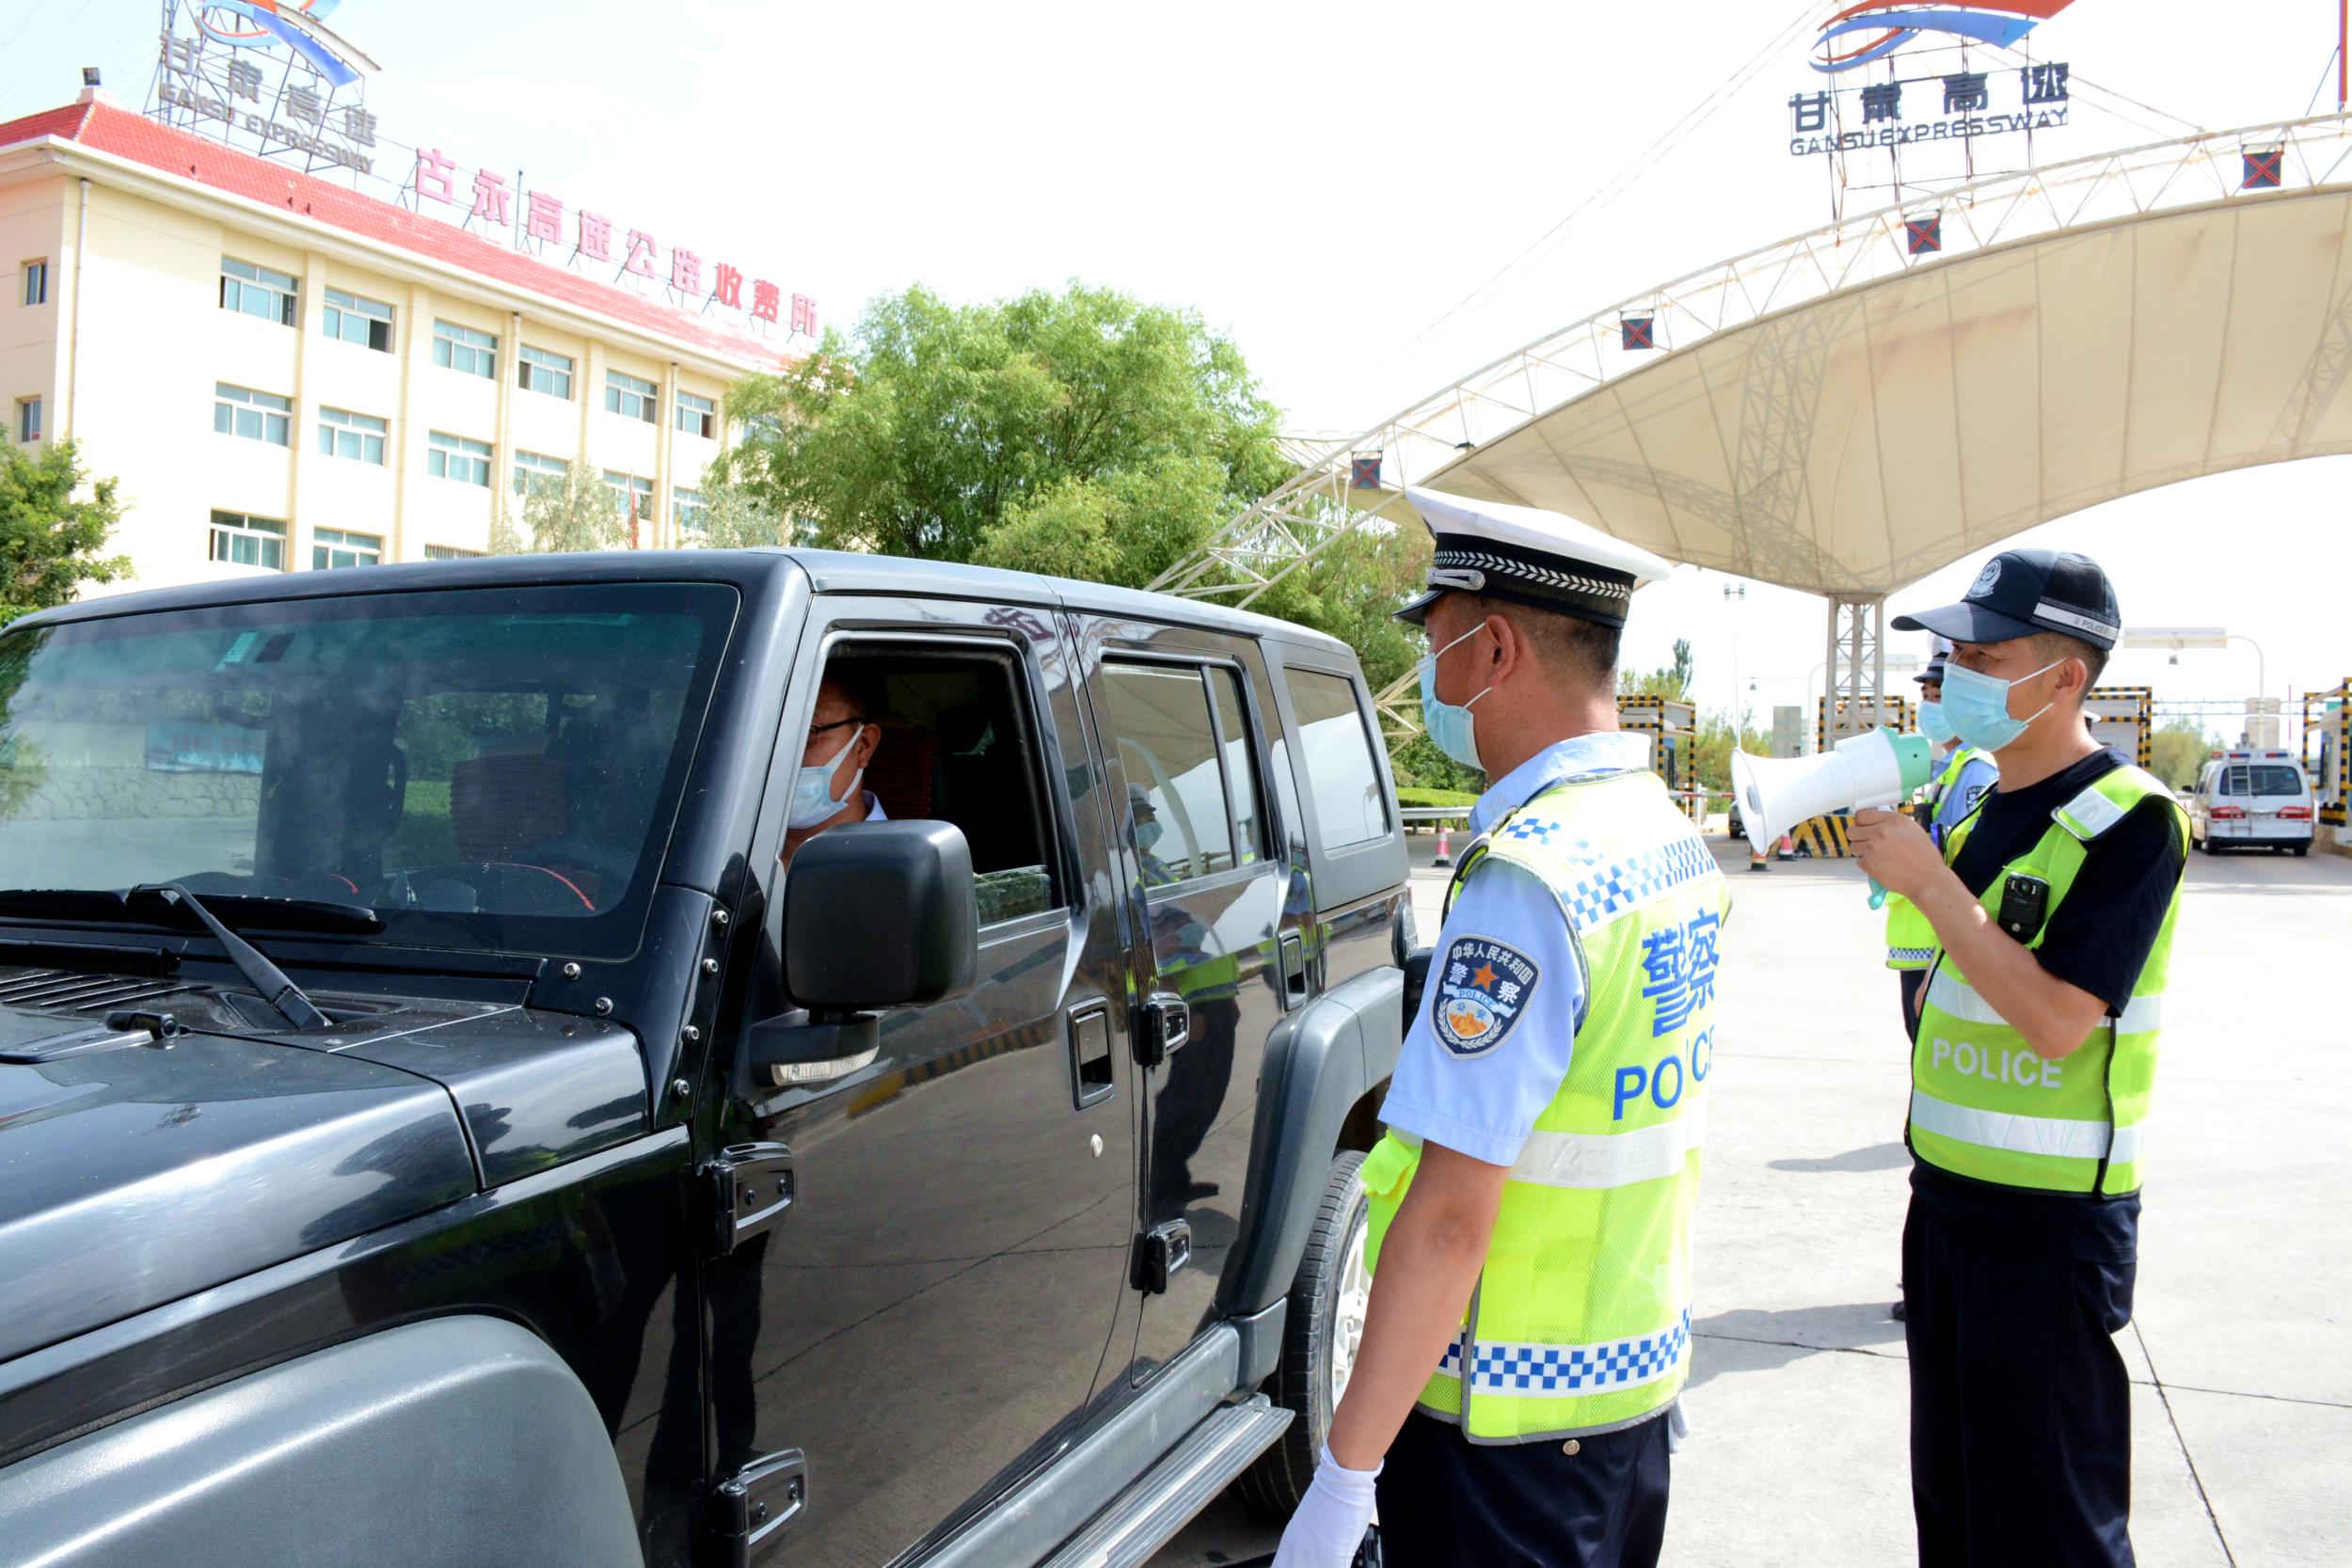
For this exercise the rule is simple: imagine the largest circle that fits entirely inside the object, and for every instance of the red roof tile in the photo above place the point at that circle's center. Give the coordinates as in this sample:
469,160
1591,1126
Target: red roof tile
187,156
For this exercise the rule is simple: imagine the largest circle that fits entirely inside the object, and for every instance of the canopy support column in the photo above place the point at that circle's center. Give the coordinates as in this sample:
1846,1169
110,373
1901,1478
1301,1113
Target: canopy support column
1856,698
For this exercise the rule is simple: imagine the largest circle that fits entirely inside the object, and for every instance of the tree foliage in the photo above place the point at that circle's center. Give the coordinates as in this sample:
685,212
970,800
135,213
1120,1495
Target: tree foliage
735,519
2177,752
1668,683
560,514
1082,434
50,538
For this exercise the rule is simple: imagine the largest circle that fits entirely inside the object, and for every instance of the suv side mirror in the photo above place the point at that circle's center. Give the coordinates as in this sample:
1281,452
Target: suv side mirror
876,915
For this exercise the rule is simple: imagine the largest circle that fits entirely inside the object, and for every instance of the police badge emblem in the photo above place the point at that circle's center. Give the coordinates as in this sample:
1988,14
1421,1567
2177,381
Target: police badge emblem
1482,992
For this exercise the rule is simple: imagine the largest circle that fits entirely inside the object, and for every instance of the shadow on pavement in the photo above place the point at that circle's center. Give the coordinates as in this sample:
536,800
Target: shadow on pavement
1892,1156
1795,1333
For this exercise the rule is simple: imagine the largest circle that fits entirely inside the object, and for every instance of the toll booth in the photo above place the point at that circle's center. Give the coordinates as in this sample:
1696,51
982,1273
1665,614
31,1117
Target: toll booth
1673,729
1896,712
2327,761
2123,717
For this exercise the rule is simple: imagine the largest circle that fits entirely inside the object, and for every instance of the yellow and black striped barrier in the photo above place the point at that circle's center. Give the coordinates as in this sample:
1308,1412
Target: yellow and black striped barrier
1823,838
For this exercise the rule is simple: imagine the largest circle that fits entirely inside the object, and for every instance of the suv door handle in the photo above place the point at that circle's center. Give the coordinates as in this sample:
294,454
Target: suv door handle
1291,953
1167,1025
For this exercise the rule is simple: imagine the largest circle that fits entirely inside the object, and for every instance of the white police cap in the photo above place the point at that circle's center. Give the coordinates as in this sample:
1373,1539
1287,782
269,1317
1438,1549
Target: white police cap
1526,555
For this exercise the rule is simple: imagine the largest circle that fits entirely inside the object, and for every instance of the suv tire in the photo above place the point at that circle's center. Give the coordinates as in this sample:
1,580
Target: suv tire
1320,1334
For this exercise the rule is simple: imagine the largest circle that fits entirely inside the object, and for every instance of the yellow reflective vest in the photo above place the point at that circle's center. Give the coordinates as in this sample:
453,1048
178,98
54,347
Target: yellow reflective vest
1581,1318
1983,1103
1910,940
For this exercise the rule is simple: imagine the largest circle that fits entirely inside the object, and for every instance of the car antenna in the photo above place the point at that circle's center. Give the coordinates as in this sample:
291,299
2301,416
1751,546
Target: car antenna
266,977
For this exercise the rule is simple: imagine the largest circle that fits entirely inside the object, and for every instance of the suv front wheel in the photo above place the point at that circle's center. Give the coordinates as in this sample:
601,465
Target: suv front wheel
1320,1336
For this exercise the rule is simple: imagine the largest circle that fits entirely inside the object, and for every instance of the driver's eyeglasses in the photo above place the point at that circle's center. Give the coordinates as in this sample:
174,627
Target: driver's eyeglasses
815,729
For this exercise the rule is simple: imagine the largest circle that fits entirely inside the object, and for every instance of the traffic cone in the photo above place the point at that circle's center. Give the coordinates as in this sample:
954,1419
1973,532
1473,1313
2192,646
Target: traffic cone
1445,851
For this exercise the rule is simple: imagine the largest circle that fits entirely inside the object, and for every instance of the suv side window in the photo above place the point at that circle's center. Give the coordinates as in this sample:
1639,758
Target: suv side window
1191,771
960,744
1336,747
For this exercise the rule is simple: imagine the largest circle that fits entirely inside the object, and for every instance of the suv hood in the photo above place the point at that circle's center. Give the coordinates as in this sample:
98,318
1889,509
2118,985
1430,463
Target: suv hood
132,1174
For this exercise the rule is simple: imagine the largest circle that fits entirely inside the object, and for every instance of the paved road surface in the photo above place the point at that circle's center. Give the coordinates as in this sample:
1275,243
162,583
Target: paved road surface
2241,1354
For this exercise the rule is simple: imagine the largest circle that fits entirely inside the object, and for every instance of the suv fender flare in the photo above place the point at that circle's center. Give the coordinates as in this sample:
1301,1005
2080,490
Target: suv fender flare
458,1439
1320,1062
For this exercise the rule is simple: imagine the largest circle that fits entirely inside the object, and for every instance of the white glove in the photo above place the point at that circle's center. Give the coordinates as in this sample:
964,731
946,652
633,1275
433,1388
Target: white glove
1332,1519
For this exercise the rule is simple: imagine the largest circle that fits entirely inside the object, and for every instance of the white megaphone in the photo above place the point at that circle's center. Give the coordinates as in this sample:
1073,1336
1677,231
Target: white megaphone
1876,768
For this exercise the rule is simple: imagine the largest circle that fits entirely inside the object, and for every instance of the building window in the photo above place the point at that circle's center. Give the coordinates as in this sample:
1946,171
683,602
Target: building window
631,397
252,290
697,415
688,507
461,348
537,370
343,433
255,416
27,420
331,548
246,541
450,552
534,468
455,457
35,282
353,319
635,495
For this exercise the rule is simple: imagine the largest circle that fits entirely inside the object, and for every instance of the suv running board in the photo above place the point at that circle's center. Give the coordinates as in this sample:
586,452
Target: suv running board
1162,1501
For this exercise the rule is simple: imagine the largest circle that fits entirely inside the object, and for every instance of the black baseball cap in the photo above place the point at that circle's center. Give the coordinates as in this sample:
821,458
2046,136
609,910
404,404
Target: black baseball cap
2023,591
1933,674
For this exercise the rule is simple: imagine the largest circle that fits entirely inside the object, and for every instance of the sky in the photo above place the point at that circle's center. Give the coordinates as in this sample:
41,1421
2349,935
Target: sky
1370,199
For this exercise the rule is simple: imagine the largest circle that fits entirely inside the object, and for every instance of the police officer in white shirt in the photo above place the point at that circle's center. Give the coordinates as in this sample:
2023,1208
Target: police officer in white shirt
1527,1331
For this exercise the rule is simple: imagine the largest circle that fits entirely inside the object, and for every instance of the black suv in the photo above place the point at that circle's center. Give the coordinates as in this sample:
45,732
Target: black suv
435,1126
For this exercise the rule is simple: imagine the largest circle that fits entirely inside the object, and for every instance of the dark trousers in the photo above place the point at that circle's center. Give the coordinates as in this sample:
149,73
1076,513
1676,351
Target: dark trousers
1445,1501
2021,1420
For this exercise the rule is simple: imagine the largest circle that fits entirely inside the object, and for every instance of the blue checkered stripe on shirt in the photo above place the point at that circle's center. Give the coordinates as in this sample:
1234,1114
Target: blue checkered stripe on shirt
1636,880
1507,1369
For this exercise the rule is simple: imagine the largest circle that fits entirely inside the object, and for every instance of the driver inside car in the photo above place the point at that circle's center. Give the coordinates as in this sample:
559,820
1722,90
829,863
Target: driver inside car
841,740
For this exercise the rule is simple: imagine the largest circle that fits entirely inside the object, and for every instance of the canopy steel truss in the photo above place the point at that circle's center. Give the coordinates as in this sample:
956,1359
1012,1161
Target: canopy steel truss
1292,525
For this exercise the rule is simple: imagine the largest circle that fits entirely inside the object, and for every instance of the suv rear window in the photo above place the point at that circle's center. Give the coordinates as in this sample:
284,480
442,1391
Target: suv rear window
1342,776
1189,777
2259,778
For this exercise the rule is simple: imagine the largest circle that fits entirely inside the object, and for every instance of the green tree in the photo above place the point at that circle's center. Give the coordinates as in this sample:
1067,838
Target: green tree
1670,682
50,539
560,514
2177,752
733,518
1081,432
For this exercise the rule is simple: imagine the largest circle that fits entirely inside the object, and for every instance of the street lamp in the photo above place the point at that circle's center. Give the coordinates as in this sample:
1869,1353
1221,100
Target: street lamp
2177,638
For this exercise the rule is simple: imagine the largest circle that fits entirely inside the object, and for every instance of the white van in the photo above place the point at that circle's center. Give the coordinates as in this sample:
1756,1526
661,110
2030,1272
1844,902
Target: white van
2256,798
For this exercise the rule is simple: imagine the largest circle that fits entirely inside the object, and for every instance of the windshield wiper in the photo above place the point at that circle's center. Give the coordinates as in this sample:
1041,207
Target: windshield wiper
262,975
235,909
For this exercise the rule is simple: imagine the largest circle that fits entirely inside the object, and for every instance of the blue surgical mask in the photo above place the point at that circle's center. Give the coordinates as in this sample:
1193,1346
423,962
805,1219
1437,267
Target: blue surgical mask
1934,725
1451,728
1148,833
812,790
1977,706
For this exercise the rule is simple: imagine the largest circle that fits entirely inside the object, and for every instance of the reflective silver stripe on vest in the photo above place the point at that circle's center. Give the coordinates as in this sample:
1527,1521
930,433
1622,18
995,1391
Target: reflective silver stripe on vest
2016,1134
1949,994
2090,814
1593,1160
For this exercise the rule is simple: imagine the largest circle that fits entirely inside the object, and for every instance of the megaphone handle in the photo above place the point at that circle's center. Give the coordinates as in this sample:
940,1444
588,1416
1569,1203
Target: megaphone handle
1878,894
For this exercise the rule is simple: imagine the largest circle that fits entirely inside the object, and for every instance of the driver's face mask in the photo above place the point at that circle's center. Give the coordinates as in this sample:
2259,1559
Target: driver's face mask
813,800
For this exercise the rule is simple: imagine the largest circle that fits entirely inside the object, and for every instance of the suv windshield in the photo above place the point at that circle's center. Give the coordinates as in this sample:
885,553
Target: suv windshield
487,767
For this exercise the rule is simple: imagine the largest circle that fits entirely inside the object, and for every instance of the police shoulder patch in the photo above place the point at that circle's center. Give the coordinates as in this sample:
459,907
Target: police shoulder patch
1482,990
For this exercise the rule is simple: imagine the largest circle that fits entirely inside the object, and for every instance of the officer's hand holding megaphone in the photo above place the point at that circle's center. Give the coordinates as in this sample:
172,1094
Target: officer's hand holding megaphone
1896,851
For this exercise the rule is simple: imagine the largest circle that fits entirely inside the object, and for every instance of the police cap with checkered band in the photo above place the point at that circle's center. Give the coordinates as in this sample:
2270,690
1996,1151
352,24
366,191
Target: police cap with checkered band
1528,556
2023,591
